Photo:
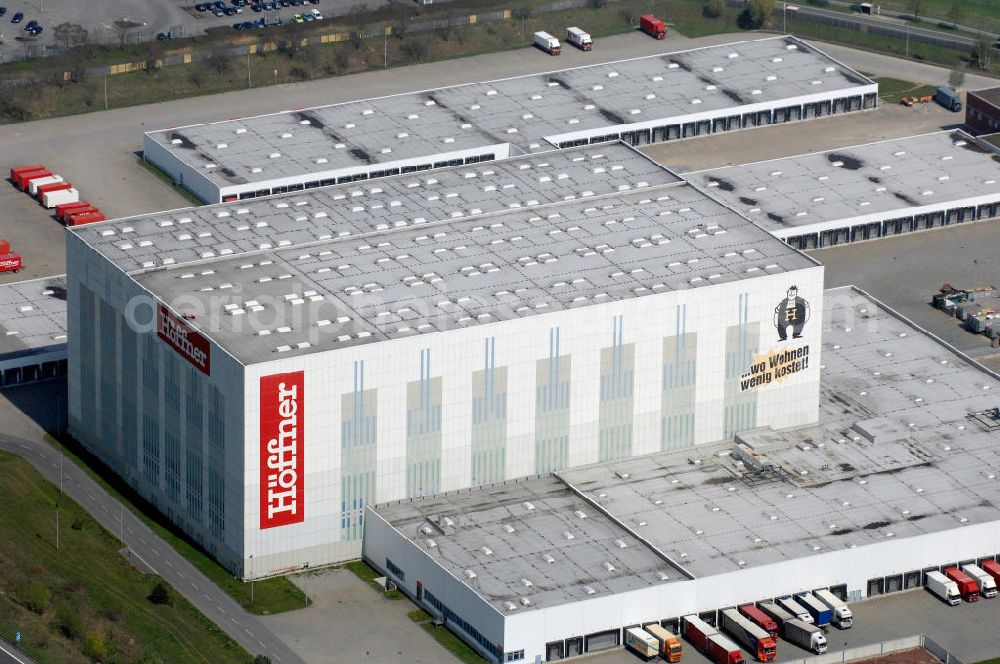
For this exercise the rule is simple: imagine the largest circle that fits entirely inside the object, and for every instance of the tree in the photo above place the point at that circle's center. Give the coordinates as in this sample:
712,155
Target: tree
712,8
95,646
39,597
756,14
956,11
956,78
414,50
399,17
70,35
220,61
357,33
982,54
261,659
159,595
916,8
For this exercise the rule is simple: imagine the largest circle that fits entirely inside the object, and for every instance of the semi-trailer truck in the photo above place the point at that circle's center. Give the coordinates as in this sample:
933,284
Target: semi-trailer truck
779,615
821,613
805,635
795,609
987,585
944,588
843,617
723,651
752,637
992,568
761,619
670,646
653,26
547,43
641,642
697,632
968,588
579,38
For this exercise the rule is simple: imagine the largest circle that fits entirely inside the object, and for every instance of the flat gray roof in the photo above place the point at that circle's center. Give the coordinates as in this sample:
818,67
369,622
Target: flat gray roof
989,95
419,253
902,448
523,111
888,179
32,315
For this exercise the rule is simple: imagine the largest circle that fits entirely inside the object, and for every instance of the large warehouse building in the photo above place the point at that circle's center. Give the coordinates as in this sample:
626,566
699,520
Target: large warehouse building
865,192
639,101
898,478
264,370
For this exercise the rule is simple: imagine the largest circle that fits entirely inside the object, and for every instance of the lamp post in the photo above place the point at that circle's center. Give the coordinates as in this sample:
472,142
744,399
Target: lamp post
251,579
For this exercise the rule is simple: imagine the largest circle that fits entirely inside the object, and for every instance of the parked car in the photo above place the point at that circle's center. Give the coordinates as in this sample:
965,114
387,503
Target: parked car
308,18
35,31
162,36
30,25
3,10
17,18
316,14
298,18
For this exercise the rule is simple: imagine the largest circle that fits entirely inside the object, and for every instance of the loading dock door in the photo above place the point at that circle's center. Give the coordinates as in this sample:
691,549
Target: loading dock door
602,640
553,651
574,646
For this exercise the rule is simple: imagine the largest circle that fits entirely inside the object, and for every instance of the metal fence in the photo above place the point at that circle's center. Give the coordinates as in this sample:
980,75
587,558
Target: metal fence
878,649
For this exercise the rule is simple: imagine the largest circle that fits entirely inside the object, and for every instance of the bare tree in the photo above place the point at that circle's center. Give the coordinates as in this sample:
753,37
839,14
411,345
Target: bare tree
357,33
956,78
70,35
400,13
982,54
220,61
916,8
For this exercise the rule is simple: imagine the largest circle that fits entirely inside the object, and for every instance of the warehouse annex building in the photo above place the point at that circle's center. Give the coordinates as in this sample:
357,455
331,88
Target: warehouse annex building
32,330
897,478
865,192
264,370
639,101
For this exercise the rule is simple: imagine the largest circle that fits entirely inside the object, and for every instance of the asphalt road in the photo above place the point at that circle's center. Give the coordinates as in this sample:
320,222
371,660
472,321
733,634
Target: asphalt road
10,655
244,628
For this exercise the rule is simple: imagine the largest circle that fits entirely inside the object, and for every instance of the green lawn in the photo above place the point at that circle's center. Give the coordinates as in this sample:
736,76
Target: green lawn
893,90
448,640
995,660
273,595
983,14
368,574
84,602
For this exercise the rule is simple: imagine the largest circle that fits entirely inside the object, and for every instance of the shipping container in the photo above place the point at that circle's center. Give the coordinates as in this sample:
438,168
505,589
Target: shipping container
547,43
41,190
943,587
85,218
843,617
26,178
34,183
653,26
16,171
579,38
4,247
751,636
51,199
761,619
65,208
641,642
967,587
670,646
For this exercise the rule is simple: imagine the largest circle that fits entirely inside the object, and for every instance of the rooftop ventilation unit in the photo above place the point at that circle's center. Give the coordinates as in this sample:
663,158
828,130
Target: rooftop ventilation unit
469,574
608,566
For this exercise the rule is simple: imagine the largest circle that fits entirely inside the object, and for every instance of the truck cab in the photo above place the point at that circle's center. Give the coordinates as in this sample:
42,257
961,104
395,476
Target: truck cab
796,609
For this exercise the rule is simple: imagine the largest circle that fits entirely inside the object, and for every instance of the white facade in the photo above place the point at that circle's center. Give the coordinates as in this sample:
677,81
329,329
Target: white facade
531,629
414,416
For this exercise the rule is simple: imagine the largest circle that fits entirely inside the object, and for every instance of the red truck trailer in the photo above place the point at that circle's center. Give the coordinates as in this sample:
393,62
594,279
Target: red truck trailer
761,619
52,186
751,636
697,632
723,651
62,211
967,586
653,26
24,179
82,218
16,171
992,568
9,261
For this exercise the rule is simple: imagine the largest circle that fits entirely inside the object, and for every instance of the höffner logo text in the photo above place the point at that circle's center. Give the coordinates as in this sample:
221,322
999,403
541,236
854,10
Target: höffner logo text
179,336
282,434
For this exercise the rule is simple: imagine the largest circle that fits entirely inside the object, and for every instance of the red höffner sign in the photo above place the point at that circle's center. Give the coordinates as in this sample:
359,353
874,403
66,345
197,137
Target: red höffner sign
179,336
282,437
